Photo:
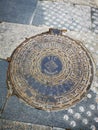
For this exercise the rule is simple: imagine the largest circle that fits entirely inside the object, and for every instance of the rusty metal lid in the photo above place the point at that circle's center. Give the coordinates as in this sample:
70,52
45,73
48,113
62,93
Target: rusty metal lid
50,72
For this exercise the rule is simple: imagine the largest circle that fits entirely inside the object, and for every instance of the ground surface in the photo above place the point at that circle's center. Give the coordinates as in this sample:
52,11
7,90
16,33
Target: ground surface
81,21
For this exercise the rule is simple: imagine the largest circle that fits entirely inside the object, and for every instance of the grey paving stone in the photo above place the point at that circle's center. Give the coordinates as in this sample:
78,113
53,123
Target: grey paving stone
17,11
63,15
11,35
94,17
83,2
91,3
17,110
3,85
14,125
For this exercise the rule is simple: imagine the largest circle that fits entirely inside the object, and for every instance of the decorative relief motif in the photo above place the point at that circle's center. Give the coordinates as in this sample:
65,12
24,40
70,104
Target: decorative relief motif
51,65
51,72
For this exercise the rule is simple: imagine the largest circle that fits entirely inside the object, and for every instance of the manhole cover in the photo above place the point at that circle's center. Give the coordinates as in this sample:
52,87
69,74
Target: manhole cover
50,72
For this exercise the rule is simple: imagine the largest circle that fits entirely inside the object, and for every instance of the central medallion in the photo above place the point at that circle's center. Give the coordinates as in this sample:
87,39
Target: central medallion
51,65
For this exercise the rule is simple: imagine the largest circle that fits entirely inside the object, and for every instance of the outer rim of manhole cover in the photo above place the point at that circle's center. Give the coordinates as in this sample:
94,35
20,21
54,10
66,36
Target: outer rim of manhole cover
55,80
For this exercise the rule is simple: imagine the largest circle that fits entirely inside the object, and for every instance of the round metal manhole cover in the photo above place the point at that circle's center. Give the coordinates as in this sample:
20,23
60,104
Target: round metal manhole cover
50,72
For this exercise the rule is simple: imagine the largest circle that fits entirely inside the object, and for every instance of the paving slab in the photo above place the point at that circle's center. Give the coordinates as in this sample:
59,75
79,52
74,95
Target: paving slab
83,2
94,17
3,86
63,15
15,125
11,35
17,11
91,3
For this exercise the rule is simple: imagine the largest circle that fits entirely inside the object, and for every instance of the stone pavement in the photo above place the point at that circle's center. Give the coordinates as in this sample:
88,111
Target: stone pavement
60,14
14,125
76,15
17,11
81,21
18,33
